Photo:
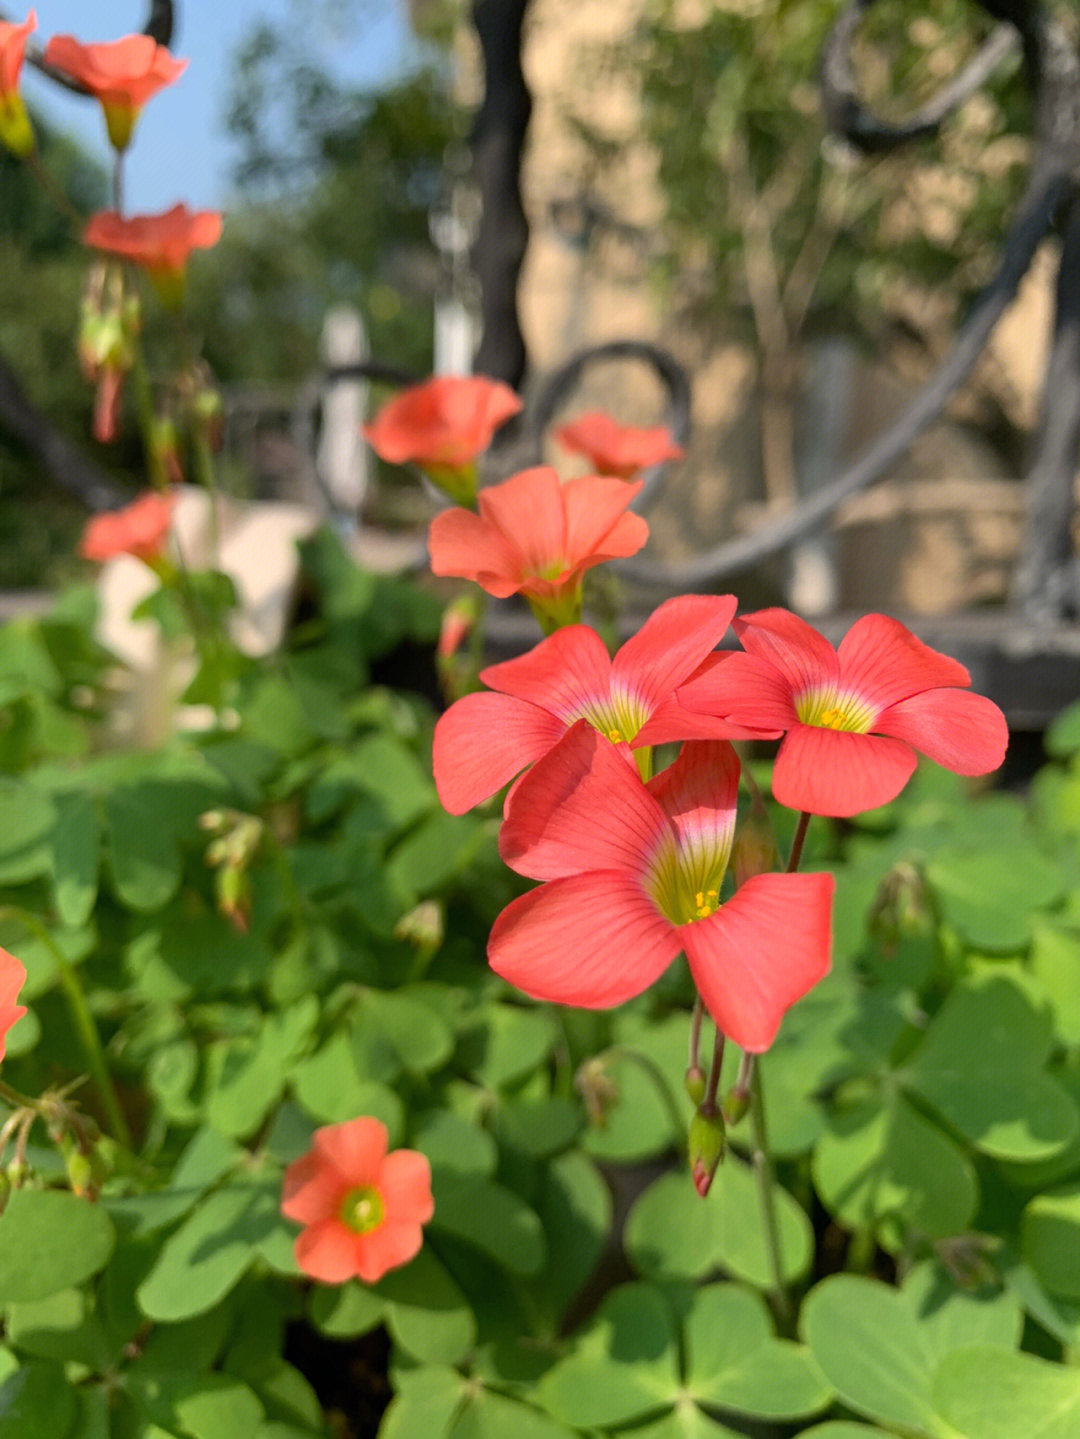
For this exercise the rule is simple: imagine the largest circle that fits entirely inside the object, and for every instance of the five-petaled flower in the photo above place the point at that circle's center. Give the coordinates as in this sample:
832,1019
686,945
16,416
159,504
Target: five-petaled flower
160,244
485,739
443,426
535,536
123,74
363,1209
16,132
138,529
12,979
634,876
614,449
851,718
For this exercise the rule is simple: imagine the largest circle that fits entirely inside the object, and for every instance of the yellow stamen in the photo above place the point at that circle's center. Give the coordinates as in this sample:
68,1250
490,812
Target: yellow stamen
615,736
833,719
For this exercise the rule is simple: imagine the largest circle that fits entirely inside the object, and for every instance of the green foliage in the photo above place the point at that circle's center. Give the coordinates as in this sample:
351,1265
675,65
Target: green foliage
924,1099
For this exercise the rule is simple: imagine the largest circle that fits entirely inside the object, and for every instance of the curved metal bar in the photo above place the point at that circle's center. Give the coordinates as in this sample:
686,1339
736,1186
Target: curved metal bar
848,117
1042,201
1045,582
557,386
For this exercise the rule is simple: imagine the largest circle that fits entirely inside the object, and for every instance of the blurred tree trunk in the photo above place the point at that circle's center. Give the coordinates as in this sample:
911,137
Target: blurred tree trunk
497,140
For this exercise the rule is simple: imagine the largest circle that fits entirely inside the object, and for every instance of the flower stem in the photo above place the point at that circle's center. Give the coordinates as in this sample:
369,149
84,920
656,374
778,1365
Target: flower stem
798,842
766,1182
83,1020
708,1104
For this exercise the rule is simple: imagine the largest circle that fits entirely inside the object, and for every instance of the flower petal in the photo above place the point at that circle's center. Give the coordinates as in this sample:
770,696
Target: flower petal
671,644
388,1247
484,740
760,952
355,1148
528,510
311,1189
671,722
563,673
405,1186
596,523
804,657
327,1251
837,772
965,732
582,807
698,793
461,544
884,662
592,940
743,689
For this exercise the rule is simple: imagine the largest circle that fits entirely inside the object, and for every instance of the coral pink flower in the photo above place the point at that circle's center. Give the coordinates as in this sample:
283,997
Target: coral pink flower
362,1208
851,718
12,979
443,426
122,74
536,537
634,876
16,131
160,243
614,449
485,739
139,529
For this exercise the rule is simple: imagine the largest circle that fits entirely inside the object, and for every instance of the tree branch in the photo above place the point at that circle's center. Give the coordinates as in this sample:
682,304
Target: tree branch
1045,194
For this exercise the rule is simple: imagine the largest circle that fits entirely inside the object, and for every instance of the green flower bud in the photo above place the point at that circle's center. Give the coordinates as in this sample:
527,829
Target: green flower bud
695,1083
736,1104
705,1148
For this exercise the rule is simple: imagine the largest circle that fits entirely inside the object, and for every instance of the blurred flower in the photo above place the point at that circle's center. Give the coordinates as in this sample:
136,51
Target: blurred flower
123,74
160,244
139,529
485,739
16,132
362,1208
614,449
634,876
12,979
536,537
852,718
443,426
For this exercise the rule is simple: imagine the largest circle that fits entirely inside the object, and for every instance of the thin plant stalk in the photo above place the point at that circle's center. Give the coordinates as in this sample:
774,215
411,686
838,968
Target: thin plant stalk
85,1027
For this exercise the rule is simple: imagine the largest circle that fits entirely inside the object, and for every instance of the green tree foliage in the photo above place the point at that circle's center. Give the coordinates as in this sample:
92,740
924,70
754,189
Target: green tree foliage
334,185
44,269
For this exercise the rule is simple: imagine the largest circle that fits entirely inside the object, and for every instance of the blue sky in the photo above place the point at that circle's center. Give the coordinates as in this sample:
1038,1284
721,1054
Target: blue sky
180,151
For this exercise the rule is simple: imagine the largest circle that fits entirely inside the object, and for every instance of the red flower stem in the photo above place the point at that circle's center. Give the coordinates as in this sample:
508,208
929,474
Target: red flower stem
708,1104
695,1032
766,1184
798,842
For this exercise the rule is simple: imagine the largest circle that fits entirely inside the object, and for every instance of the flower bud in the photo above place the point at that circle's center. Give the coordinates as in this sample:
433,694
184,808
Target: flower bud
694,1082
902,906
705,1147
80,1172
736,1104
754,850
